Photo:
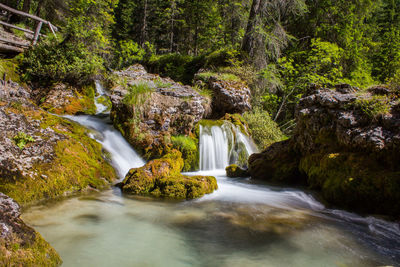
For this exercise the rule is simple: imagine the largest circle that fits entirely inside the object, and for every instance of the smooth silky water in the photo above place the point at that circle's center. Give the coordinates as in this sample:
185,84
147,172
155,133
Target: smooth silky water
241,224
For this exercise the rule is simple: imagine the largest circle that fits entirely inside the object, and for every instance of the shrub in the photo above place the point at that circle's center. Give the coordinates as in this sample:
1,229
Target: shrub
264,130
127,53
374,106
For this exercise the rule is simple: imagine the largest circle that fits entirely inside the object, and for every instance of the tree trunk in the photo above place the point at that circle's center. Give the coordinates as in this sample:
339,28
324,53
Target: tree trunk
144,25
253,41
26,6
39,8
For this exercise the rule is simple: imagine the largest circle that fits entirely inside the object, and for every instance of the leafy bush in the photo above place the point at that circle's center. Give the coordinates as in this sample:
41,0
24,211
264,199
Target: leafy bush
264,130
22,139
53,61
127,53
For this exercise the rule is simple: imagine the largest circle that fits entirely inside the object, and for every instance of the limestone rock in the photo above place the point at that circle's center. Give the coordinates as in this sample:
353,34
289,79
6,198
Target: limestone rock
234,171
341,150
20,245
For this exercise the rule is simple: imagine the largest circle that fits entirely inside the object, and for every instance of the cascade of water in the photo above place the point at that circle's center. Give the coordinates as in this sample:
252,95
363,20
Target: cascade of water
100,108
223,145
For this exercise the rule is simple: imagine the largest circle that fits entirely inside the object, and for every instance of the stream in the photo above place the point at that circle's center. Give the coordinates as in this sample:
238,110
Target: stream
243,223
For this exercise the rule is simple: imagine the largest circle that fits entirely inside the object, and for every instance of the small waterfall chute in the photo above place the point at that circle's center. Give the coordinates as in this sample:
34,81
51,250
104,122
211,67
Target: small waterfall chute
100,97
223,144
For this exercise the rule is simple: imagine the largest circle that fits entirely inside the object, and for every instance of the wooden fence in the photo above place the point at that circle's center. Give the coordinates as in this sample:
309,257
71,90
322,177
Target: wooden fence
19,46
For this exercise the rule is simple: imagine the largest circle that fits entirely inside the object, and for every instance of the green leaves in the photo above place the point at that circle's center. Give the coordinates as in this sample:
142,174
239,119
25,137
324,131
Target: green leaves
22,139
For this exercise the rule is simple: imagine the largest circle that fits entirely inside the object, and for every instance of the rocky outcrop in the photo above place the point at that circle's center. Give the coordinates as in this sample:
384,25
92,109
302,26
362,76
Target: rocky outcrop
346,144
44,156
235,171
162,178
148,109
64,99
20,245
230,94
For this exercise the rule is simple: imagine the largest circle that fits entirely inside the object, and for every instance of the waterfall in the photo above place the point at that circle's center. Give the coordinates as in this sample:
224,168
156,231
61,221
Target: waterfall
101,94
221,145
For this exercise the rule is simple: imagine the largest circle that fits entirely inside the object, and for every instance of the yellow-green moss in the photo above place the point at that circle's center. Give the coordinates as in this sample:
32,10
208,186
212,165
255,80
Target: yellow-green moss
234,171
39,253
9,68
162,178
189,148
77,165
354,180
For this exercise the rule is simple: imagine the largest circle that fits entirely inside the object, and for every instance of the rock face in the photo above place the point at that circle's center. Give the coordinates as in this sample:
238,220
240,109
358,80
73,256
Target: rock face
64,99
162,178
44,156
229,96
147,109
347,145
20,245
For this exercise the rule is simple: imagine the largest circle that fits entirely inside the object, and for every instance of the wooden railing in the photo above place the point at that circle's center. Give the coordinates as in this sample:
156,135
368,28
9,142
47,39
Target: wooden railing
35,33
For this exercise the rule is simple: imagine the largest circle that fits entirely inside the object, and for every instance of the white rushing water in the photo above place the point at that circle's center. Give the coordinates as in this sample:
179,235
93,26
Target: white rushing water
123,156
100,108
223,145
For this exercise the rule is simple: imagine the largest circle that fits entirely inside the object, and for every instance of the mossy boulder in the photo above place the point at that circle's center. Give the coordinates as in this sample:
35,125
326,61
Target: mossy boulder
234,171
56,159
20,245
65,99
162,178
346,145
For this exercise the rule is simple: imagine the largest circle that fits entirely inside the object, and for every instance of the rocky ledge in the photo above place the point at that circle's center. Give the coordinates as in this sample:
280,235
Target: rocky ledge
44,156
20,245
346,145
162,178
148,109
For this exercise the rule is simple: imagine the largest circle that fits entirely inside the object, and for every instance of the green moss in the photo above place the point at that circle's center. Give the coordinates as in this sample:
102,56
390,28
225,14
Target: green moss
373,106
188,146
9,69
234,171
37,253
205,76
162,178
77,165
354,180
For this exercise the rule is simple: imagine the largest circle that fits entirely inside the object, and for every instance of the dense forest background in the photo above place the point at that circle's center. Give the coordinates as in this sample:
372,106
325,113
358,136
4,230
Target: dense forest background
279,47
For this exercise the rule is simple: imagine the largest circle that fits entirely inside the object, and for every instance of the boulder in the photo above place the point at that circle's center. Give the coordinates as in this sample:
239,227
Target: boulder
44,156
20,245
234,171
162,178
148,109
65,99
345,145
229,95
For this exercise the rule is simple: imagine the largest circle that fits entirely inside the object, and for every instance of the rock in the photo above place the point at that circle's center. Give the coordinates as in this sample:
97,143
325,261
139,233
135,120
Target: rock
234,171
163,108
64,99
229,96
162,178
20,245
44,156
340,150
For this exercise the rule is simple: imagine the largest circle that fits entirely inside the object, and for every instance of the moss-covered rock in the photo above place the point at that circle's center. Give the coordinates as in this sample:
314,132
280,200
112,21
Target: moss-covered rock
59,159
162,178
20,245
189,147
234,171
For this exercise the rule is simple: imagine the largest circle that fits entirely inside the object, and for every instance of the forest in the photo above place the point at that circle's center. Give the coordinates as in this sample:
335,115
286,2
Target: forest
279,47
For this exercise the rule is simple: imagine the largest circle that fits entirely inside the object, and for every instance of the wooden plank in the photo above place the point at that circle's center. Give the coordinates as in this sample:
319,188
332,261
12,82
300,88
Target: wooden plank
37,32
12,10
15,27
9,48
13,42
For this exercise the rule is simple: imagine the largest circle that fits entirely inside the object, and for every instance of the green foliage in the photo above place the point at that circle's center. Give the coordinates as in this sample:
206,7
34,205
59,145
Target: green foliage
22,139
373,106
189,149
9,69
137,94
127,53
264,130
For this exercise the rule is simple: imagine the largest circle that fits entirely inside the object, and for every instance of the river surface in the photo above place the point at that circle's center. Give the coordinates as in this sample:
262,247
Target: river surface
243,223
